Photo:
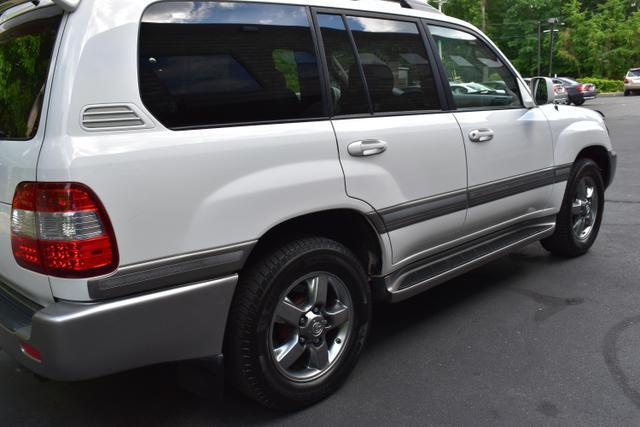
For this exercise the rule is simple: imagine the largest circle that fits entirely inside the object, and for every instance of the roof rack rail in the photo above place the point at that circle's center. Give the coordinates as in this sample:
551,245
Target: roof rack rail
66,5
416,4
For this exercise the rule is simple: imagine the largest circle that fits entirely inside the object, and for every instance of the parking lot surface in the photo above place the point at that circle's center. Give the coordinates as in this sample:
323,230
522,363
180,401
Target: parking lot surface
526,340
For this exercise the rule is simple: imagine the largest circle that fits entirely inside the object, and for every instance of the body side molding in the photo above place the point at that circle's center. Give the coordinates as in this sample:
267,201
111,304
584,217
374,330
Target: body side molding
417,211
174,271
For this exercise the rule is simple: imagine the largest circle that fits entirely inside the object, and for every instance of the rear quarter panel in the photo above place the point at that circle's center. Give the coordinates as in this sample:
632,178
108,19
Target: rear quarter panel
169,193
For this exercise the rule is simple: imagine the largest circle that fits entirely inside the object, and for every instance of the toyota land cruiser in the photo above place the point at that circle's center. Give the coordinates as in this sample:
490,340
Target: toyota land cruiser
189,179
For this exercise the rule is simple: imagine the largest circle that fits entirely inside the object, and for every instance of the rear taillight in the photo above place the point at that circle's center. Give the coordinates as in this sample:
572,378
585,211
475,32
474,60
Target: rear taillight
581,88
31,351
61,229
626,81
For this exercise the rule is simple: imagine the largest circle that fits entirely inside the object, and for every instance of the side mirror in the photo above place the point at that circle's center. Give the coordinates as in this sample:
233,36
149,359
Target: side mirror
542,90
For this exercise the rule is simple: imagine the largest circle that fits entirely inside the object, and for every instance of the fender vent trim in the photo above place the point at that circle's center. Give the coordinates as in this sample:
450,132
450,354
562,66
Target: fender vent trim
112,117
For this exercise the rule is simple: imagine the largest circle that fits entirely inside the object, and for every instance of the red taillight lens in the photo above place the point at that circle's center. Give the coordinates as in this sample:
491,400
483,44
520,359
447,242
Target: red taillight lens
61,229
31,351
626,81
581,88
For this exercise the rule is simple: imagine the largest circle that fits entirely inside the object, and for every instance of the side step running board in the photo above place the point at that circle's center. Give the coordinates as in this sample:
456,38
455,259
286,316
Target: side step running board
423,275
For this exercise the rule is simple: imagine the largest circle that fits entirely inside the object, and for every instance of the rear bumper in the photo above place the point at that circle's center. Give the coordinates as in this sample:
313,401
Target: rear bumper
632,86
583,96
561,98
83,341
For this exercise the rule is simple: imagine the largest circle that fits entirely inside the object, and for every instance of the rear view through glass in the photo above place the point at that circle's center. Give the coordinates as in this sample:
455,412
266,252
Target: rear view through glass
26,49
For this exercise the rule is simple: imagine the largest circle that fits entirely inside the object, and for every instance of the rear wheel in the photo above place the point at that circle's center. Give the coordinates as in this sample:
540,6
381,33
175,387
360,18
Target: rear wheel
579,219
627,92
579,102
298,323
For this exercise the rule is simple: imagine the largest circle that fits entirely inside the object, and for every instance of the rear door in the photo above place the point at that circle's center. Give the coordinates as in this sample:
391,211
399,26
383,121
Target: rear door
400,152
28,37
509,147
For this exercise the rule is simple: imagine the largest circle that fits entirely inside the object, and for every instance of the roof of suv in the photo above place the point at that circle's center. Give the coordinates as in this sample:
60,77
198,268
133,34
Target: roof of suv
382,6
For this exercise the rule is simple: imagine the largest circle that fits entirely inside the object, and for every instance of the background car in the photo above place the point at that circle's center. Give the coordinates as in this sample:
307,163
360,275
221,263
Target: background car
578,92
498,86
632,81
467,95
463,88
561,94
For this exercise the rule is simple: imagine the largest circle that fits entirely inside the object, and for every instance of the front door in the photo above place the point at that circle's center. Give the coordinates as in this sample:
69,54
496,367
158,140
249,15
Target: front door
509,147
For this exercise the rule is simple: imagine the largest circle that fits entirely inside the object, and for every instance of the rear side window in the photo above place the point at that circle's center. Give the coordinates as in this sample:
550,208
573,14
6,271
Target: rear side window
478,78
26,50
395,64
348,94
205,64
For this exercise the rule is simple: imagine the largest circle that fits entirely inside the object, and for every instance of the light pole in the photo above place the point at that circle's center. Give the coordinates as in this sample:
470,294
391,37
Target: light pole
539,47
553,22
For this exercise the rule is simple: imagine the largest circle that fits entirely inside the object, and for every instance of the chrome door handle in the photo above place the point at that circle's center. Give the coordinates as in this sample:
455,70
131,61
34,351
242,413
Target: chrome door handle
481,135
366,148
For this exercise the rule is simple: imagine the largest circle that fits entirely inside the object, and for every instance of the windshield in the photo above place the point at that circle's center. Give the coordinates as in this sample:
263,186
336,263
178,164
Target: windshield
570,81
26,47
634,73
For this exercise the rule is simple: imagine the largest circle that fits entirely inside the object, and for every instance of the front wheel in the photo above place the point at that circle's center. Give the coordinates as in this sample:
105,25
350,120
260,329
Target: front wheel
298,323
578,222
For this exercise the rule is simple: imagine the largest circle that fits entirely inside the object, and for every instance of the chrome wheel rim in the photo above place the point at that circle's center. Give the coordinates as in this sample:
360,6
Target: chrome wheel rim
584,209
311,326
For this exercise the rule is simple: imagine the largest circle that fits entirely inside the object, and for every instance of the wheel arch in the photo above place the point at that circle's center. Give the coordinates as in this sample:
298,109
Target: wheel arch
600,155
350,227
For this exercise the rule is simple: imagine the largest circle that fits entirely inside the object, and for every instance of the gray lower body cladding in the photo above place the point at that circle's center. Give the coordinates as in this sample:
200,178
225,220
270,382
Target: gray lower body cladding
83,341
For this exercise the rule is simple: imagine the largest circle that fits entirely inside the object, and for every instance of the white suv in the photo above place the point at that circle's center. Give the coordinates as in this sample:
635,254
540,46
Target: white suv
183,179
632,81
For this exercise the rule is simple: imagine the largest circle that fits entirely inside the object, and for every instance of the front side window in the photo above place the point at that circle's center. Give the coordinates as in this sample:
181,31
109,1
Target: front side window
395,64
477,76
208,63
26,50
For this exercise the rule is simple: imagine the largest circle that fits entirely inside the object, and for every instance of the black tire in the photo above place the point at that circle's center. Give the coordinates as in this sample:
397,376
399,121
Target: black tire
564,241
627,92
251,365
579,102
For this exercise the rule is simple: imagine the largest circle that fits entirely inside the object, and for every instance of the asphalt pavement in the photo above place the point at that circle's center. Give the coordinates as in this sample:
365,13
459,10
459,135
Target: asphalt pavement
527,340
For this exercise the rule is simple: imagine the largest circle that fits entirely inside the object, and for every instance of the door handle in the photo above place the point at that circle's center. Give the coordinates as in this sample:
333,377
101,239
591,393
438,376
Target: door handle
366,148
481,135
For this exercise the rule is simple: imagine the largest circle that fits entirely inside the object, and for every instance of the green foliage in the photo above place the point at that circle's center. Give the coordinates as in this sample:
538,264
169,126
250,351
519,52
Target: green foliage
286,64
604,85
18,63
599,38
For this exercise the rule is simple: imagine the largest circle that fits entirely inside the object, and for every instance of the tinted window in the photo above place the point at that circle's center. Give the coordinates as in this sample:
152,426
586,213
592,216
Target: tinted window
477,76
211,63
26,48
345,78
395,64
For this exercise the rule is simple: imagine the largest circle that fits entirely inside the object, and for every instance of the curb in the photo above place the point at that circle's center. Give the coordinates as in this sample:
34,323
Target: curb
611,94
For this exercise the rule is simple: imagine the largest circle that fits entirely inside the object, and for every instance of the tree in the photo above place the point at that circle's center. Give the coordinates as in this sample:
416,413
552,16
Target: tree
599,38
